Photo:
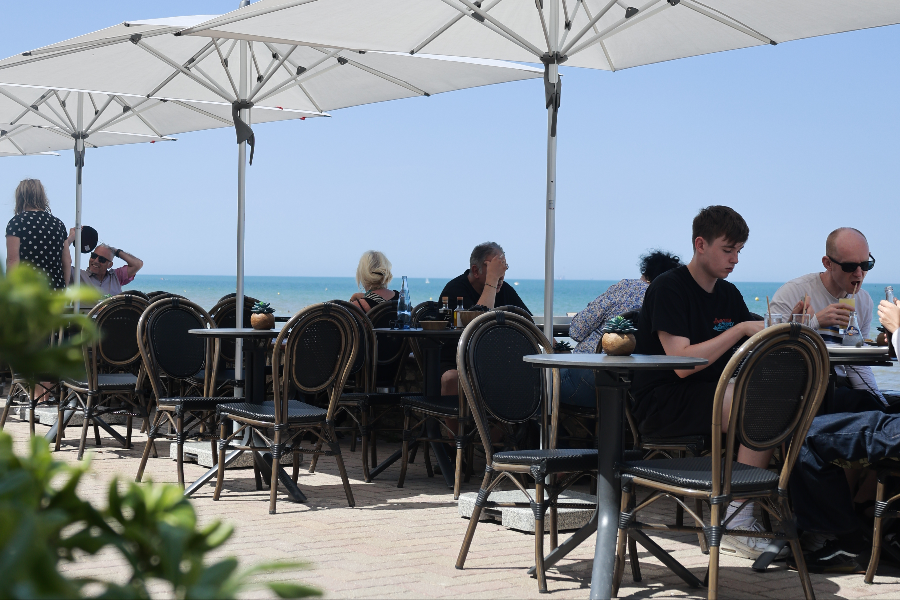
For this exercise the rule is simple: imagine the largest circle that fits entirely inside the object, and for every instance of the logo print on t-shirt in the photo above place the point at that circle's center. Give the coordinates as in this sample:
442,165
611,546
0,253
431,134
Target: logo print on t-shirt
722,324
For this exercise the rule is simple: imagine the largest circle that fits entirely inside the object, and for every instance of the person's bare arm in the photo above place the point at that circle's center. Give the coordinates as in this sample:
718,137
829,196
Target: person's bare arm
12,252
134,263
496,269
712,349
68,274
66,263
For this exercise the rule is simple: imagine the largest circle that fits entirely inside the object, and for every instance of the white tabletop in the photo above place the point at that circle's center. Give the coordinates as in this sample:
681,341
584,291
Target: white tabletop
647,362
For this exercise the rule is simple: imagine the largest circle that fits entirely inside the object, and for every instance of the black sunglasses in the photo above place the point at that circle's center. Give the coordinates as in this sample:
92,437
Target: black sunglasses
849,267
100,259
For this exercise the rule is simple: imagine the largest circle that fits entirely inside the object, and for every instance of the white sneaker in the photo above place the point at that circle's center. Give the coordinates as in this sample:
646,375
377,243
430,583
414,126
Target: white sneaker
748,547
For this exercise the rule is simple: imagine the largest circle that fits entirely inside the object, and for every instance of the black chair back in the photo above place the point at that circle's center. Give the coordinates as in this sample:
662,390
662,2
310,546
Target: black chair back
494,377
391,350
137,293
429,309
320,346
782,378
159,295
517,310
169,351
366,337
224,314
117,319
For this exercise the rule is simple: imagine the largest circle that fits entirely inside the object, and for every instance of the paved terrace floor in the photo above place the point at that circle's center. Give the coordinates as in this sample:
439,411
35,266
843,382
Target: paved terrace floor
402,543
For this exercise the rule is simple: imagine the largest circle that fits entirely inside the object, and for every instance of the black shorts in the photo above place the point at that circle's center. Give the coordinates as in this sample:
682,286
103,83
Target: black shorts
677,409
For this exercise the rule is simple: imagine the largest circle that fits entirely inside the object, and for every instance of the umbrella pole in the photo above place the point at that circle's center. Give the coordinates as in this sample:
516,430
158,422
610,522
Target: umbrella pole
241,216
79,164
550,235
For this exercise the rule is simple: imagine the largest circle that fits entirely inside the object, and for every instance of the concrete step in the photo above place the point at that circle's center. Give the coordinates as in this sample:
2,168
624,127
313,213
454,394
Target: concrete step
201,453
522,519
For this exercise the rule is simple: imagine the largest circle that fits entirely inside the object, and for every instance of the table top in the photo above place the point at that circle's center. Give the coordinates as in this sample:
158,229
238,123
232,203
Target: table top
647,362
420,332
232,332
867,356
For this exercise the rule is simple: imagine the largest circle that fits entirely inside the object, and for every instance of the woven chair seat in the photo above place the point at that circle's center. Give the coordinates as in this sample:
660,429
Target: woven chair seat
107,383
194,402
372,399
552,461
298,412
443,406
696,473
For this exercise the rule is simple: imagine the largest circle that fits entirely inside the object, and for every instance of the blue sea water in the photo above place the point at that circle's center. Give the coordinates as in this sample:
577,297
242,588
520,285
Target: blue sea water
287,295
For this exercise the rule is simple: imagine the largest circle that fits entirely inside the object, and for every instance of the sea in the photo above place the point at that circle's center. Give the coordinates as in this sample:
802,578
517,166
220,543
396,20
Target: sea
287,295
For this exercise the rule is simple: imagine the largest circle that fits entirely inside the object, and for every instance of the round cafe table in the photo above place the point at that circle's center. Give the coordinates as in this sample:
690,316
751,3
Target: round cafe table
610,375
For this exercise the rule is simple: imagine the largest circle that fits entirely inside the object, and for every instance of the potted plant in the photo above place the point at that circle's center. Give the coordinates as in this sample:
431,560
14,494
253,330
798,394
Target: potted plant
262,316
562,347
618,337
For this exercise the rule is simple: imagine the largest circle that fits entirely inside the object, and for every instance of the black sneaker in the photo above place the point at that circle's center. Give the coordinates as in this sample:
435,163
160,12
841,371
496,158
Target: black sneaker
830,558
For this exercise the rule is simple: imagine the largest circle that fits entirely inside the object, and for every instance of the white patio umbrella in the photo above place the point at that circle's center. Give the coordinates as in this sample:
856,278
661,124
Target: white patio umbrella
598,34
144,58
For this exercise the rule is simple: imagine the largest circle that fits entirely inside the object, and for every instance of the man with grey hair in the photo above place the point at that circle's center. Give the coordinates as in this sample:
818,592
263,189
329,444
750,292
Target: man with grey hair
833,295
100,273
483,282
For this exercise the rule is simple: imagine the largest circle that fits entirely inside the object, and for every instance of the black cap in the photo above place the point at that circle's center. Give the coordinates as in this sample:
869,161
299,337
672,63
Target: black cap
88,239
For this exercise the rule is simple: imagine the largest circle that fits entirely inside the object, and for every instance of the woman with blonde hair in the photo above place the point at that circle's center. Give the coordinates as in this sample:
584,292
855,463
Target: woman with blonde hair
373,275
34,236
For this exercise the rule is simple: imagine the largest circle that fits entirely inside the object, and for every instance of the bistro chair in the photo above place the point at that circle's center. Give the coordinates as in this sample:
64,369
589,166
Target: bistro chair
498,384
777,391
392,352
172,357
224,314
159,295
884,471
365,407
137,293
320,347
110,384
515,309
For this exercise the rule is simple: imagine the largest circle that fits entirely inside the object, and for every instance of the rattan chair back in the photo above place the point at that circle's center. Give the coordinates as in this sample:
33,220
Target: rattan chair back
137,293
781,375
320,345
117,320
429,309
159,295
391,350
516,310
365,356
224,314
169,351
495,379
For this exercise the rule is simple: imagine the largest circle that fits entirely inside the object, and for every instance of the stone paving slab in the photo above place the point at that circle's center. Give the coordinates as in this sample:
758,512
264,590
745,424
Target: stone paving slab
403,542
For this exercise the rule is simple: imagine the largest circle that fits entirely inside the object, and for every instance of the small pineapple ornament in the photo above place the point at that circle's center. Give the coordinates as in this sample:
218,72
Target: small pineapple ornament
262,316
618,337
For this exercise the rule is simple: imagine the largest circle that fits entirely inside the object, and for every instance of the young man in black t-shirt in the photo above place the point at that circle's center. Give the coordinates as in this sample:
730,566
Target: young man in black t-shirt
693,311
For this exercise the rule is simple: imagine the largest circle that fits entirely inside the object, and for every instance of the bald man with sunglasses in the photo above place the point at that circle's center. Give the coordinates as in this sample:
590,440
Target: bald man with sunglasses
100,273
847,260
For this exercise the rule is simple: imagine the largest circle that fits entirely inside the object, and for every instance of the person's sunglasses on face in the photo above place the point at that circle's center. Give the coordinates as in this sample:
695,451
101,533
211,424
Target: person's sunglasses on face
100,259
849,267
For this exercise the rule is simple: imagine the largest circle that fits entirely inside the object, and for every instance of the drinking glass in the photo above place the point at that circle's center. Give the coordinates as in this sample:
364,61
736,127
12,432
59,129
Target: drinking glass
803,319
773,319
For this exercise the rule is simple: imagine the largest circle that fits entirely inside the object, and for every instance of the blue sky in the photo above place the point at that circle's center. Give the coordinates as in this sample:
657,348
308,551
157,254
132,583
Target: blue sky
799,138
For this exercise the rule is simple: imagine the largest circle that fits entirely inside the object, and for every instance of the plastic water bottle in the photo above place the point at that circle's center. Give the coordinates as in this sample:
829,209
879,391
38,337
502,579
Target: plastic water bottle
852,334
404,307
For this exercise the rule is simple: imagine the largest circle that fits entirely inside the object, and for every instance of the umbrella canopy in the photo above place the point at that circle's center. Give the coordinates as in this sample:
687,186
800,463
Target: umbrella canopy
598,34
146,59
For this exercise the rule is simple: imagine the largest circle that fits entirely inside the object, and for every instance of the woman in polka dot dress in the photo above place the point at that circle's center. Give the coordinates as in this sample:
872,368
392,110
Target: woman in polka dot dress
34,236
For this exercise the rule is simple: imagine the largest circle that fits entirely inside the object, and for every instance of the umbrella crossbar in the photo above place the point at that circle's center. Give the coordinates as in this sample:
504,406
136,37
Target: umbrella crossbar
382,75
201,111
198,57
57,51
592,23
8,135
215,88
300,75
449,24
225,66
133,110
494,25
271,70
228,19
33,107
98,112
62,104
727,21
652,8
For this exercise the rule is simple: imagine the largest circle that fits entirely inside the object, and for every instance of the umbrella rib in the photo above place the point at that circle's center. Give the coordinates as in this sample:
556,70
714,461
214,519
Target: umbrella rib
498,26
152,51
133,110
309,96
442,29
620,25
94,104
253,56
98,113
198,57
228,20
201,111
16,120
612,67
271,72
592,22
44,102
295,77
225,66
111,121
62,105
726,20
387,77
31,108
540,10
16,146
570,20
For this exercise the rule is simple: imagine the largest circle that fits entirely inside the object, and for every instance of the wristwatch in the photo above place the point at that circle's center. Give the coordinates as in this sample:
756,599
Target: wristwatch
116,253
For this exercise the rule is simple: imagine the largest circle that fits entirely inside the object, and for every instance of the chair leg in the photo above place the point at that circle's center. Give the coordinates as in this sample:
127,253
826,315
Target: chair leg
336,448
276,460
406,458
214,452
7,407
876,534
619,565
460,450
373,445
33,405
480,501
179,440
296,460
88,418
220,474
539,537
128,424
315,457
633,559
554,519
151,433
364,436
97,441
426,454
60,426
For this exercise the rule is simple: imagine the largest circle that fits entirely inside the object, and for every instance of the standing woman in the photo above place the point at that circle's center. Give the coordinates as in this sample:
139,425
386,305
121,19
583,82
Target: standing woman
36,237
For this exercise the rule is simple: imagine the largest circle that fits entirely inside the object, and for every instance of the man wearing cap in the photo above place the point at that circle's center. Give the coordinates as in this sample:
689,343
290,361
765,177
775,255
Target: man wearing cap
100,273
